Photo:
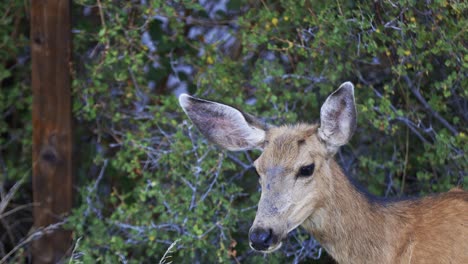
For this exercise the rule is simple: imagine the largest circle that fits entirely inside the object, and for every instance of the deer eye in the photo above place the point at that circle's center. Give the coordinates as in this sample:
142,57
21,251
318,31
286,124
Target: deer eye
306,171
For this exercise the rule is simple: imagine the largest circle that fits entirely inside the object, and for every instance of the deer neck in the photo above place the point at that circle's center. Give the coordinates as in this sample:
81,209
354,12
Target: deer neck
349,225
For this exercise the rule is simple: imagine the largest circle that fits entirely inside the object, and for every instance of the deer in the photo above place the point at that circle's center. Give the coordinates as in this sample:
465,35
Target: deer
302,185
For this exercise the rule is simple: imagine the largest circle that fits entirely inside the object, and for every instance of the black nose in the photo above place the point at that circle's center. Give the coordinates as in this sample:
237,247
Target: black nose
261,239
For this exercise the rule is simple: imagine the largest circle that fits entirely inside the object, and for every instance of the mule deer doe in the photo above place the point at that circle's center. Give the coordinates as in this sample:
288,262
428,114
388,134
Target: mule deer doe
303,185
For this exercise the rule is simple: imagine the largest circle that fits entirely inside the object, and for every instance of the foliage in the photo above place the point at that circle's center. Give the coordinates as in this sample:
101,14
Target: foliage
148,179
164,183
15,98
15,125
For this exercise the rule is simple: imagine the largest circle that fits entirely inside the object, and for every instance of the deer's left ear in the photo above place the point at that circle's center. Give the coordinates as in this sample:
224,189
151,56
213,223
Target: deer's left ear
338,117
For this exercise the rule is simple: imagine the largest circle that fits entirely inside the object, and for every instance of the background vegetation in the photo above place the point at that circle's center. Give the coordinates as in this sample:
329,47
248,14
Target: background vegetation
150,189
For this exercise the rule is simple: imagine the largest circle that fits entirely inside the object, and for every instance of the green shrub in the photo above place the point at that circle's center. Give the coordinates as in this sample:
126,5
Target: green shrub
163,183
146,178
15,95
15,127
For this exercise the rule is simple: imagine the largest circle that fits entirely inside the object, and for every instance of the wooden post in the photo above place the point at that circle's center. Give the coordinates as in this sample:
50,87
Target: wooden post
52,124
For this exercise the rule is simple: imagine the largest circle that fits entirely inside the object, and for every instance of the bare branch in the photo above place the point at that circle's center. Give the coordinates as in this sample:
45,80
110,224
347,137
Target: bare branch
165,258
4,202
417,94
33,236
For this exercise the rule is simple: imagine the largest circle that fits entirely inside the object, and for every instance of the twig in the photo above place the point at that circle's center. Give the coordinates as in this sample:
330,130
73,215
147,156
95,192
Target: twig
318,79
36,235
74,249
403,179
18,208
218,170
426,105
166,255
238,161
6,200
412,127
405,120
93,189
101,14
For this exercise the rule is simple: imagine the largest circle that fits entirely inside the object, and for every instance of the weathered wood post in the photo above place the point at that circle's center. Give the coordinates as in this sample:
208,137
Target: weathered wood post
52,124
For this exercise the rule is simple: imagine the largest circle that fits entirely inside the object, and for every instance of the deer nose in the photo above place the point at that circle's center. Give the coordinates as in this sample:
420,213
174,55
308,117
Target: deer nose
261,239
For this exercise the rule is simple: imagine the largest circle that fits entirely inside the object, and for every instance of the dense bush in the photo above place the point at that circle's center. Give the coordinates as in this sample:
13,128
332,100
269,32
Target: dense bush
15,126
152,189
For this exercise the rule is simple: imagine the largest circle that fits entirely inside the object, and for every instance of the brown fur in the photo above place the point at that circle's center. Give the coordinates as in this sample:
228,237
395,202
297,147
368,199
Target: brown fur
352,228
349,225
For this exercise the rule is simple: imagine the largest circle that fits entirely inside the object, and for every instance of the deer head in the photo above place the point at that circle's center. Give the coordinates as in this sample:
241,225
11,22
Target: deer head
294,164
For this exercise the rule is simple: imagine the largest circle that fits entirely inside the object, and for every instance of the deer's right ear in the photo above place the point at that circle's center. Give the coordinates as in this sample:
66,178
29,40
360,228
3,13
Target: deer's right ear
224,125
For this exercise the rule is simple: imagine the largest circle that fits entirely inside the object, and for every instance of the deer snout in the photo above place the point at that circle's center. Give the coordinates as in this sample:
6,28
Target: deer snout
262,239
